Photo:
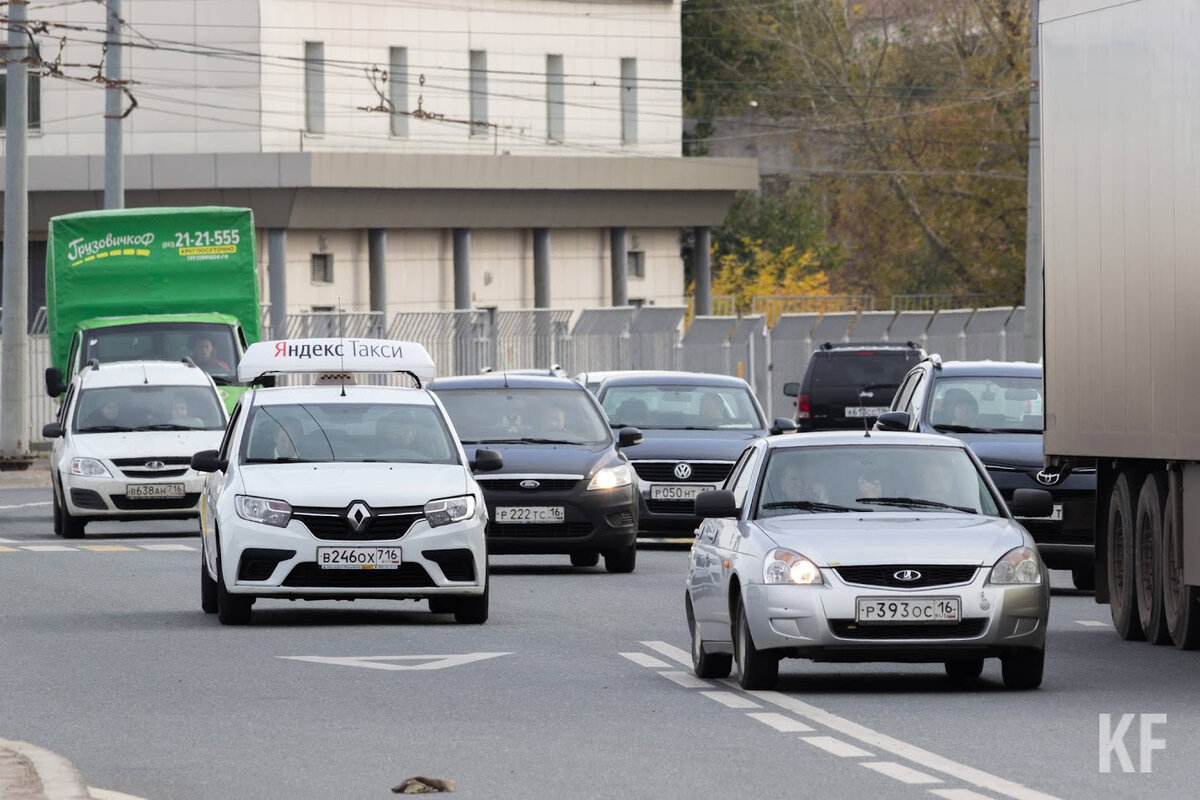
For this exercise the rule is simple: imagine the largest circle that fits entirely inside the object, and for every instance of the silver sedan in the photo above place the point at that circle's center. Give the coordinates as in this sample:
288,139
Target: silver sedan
847,547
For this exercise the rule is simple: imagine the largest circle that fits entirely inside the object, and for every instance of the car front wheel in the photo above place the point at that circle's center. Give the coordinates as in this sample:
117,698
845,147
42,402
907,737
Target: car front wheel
232,609
621,561
1022,669
208,588
71,527
705,664
473,610
964,669
756,669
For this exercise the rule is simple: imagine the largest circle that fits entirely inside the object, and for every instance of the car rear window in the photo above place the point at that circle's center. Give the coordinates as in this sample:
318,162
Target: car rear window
862,367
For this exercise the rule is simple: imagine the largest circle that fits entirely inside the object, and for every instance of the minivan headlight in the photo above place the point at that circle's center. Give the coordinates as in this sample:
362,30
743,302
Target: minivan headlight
1020,565
89,468
786,566
450,509
264,510
612,477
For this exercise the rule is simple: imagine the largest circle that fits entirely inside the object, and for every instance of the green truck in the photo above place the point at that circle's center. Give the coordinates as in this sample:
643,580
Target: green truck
159,284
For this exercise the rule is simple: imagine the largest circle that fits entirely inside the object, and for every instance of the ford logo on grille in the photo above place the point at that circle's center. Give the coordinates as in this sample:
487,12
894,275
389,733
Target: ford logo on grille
155,465
1048,478
530,484
683,471
907,575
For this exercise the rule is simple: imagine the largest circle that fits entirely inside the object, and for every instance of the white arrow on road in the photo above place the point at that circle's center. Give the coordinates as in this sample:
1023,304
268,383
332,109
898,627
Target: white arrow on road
400,662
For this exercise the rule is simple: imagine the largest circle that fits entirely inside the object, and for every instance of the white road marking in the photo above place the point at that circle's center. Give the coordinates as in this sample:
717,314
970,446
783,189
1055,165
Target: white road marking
670,651
780,723
8,541
105,794
166,547
686,679
24,505
731,700
643,660
105,548
917,755
900,772
49,548
836,746
1091,623
959,794
391,662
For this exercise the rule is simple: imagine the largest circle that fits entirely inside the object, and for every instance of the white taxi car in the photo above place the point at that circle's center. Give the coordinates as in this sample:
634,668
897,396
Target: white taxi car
336,490
123,441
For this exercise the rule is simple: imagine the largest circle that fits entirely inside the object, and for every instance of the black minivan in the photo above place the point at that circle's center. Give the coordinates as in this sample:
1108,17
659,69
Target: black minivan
847,383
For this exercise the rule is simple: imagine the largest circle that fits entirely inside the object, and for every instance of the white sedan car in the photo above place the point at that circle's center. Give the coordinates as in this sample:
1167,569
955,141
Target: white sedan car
845,547
342,491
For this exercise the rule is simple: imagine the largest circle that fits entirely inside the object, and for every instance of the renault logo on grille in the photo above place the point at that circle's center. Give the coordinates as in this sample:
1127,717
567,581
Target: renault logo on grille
358,515
683,471
155,465
530,484
1048,478
907,575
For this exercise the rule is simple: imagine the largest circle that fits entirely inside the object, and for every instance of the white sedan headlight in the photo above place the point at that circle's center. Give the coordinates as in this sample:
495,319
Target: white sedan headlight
264,510
1020,565
89,468
451,509
612,477
785,566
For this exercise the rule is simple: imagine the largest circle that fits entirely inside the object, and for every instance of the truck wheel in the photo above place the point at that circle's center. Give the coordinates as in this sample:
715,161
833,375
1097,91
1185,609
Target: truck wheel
1120,536
1181,603
1147,560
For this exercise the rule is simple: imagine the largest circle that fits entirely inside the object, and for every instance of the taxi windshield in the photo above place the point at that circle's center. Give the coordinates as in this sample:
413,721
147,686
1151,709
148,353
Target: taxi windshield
120,409
382,432
862,478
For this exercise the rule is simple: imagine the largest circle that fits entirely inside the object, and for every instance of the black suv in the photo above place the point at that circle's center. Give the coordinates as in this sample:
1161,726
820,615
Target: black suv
845,384
565,486
997,408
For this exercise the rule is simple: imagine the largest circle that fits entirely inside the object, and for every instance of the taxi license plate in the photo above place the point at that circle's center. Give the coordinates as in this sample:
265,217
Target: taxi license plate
910,609
153,491
358,557
530,514
675,491
865,411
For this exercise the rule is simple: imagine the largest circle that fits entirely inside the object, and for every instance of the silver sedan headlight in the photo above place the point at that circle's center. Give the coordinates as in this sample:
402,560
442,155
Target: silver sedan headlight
786,566
264,510
1020,565
89,468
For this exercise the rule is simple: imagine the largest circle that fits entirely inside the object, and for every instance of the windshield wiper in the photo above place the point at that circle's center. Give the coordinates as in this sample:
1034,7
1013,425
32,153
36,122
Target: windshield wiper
283,460
105,429
518,440
1037,431
165,426
961,429
916,502
809,505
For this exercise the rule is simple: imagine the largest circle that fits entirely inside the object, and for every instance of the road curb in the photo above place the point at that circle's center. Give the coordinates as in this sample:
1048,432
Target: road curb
58,778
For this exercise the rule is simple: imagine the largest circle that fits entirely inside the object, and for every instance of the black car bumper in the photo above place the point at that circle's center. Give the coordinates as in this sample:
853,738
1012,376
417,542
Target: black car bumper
604,519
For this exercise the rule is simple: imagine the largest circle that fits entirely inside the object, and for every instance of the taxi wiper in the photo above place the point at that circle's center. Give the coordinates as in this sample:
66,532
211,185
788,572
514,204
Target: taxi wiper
916,502
808,505
105,429
164,426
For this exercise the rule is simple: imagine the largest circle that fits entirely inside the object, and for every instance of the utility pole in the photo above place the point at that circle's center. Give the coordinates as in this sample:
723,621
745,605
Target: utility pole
114,149
1033,222
14,343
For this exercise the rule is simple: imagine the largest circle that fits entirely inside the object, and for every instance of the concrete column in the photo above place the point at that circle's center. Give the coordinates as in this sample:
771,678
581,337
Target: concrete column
541,267
702,269
620,266
377,272
462,268
277,280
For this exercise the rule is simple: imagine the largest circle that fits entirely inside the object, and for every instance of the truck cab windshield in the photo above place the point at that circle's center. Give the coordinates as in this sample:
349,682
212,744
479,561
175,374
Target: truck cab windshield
210,346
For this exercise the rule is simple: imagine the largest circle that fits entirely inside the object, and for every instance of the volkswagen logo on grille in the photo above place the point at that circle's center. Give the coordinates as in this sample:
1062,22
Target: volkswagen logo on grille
907,575
1048,478
683,471
358,515
530,484
155,465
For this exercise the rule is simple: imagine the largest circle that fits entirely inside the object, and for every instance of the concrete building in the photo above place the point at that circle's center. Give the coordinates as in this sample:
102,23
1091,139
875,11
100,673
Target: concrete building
397,155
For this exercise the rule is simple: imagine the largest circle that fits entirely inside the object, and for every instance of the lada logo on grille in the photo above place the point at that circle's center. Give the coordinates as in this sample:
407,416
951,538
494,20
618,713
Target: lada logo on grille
683,471
155,465
358,515
1048,478
530,484
907,575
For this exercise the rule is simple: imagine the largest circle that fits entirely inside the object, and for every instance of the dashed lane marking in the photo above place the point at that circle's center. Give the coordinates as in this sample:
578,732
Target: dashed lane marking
779,722
4,549
8,541
670,651
106,548
959,794
836,746
1091,623
24,505
49,548
166,547
900,772
643,660
686,680
731,699
65,548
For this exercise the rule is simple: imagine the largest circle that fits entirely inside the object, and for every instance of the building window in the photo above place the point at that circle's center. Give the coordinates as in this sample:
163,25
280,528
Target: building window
314,87
555,108
479,109
34,111
636,262
398,90
628,100
322,268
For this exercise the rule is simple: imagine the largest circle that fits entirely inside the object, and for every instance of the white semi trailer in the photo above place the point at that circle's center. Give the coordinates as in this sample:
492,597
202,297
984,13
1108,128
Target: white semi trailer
1120,100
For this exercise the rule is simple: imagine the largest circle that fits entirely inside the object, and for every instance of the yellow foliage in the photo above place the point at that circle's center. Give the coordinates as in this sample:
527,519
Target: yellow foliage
768,273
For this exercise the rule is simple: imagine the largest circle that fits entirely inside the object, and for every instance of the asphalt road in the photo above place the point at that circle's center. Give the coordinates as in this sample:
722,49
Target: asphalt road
575,688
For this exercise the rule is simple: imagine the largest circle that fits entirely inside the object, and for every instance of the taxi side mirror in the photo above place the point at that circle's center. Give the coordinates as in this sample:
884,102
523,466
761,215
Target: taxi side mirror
486,461
52,430
208,461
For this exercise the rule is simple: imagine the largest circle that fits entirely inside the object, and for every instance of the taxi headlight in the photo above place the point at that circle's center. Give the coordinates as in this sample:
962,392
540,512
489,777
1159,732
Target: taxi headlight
612,477
89,468
786,566
451,509
1020,565
261,509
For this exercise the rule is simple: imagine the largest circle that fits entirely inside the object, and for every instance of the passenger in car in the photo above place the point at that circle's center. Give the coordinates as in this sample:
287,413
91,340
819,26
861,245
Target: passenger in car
396,436
712,409
958,408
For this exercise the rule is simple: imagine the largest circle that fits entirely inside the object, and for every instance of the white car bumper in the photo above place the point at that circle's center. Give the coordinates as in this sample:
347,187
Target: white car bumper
106,497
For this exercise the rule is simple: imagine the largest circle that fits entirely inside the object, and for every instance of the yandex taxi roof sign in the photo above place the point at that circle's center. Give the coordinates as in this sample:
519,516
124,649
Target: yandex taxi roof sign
336,355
